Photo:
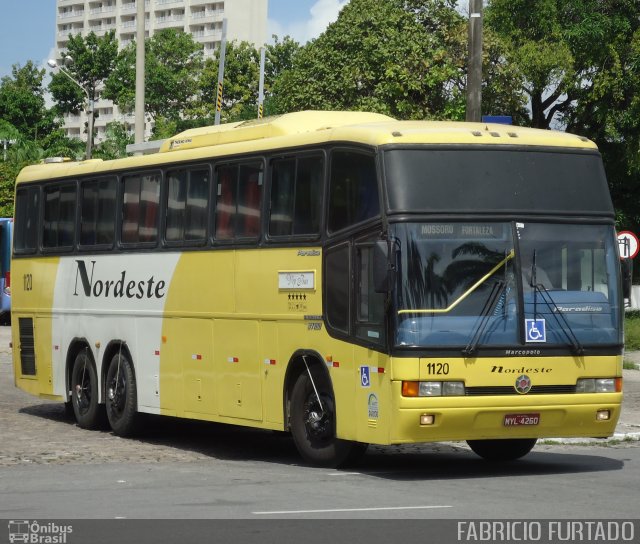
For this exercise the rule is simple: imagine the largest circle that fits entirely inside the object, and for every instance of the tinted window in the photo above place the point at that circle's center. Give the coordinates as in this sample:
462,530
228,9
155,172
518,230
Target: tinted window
489,179
98,212
353,189
187,202
370,305
337,278
26,226
238,201
141,197
59,217
296,194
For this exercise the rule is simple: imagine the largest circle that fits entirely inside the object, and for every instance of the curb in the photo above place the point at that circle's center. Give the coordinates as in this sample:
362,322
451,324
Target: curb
616,438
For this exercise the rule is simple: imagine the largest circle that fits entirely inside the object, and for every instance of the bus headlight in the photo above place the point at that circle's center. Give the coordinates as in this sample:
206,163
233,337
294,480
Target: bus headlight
599,385
432,389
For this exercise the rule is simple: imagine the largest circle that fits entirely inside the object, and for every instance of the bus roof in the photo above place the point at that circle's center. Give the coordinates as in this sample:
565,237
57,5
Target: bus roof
308,128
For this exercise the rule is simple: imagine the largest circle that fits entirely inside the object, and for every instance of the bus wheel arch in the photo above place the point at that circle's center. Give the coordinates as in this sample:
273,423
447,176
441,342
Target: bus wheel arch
296,367
310,413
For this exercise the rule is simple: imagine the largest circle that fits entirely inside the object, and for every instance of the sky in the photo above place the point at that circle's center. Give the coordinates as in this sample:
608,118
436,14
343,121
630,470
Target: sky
27,27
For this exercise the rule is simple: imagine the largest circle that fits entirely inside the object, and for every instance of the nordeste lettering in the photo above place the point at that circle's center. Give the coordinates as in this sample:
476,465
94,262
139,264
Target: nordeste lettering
119,288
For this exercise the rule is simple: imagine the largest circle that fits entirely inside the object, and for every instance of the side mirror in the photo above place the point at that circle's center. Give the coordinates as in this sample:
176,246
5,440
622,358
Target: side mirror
382,277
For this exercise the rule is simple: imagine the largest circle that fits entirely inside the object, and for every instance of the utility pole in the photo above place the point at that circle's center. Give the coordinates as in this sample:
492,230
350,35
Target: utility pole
140,99
223,50
474,67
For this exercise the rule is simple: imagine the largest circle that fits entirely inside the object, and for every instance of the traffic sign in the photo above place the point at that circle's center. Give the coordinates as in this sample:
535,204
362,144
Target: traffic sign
628,244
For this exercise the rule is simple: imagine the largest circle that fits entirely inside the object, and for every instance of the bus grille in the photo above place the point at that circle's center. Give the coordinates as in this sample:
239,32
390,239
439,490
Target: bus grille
509,390
27,347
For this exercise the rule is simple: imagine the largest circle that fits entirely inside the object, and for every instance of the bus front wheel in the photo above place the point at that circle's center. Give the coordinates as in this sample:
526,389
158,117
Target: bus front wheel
121,396
84,393
502,450
313,423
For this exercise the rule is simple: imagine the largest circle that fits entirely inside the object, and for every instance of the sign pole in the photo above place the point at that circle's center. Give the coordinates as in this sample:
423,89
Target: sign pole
223,50
261,91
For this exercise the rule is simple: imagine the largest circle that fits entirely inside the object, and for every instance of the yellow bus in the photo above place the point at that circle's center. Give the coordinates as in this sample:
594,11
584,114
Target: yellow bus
344,276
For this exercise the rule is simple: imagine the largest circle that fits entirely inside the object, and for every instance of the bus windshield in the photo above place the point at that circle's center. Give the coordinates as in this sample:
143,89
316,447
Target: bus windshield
471,285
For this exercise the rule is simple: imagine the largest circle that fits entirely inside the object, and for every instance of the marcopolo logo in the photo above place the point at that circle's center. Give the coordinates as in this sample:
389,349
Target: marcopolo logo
122,287
35,532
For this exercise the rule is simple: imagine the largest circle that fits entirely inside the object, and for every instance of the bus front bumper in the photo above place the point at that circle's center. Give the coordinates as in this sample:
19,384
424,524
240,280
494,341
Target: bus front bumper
539,416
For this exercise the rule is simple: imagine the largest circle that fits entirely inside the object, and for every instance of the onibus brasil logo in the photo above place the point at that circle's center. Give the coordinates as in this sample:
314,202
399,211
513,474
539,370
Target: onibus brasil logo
38,533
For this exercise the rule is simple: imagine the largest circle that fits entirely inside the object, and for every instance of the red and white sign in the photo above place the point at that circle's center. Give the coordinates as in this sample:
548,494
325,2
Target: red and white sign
628,244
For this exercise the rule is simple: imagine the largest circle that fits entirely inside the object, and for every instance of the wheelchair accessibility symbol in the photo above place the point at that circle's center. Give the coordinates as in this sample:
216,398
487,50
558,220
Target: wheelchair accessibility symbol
365,380
536,330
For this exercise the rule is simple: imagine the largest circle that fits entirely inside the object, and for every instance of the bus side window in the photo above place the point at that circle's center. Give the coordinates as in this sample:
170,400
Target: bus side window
97,212
296,196
27,213
141,198
353,189
370,305
225,203
238,201
249,197
197,205
59,217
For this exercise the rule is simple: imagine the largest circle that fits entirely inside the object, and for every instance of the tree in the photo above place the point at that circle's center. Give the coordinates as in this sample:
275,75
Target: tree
240,86
279,58
398,57
115,144
93,59
579,63
173,63
22,102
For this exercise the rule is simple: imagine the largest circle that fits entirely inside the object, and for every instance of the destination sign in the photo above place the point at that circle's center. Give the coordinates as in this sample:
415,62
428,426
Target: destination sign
473,231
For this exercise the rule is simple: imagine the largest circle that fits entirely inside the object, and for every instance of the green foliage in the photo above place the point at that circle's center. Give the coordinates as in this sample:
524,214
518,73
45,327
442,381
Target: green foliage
22,102
172,65
240,88
115,144
93,60
632,331
395,57
579,63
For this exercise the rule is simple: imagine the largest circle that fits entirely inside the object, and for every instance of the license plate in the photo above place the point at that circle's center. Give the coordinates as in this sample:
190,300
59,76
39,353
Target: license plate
512,420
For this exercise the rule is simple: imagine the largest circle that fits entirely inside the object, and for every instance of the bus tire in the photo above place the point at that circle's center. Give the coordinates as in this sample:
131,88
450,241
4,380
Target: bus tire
121,396
502,450
87,410
314,430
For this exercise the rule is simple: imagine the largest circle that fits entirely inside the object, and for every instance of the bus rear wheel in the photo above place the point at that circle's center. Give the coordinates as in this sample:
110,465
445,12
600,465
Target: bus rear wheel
88,412
121,396
502,450
313,424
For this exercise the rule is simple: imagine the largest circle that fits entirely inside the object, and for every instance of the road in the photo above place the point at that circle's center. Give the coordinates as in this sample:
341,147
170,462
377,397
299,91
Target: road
49,468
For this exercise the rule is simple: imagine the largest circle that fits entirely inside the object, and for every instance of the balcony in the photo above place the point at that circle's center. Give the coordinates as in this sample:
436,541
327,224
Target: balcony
131,6
164,2
169,22
71,14
98,11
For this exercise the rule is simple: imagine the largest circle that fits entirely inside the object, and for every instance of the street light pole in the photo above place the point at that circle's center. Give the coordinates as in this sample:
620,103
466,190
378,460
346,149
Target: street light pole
53,64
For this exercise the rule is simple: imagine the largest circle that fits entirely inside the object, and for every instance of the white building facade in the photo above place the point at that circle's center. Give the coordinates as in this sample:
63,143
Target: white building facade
246,20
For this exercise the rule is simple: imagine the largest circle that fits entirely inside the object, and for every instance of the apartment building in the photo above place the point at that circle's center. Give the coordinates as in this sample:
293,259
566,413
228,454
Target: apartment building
246,20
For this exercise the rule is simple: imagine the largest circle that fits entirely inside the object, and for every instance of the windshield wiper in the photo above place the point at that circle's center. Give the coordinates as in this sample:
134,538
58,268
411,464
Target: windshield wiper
572,339
496,292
